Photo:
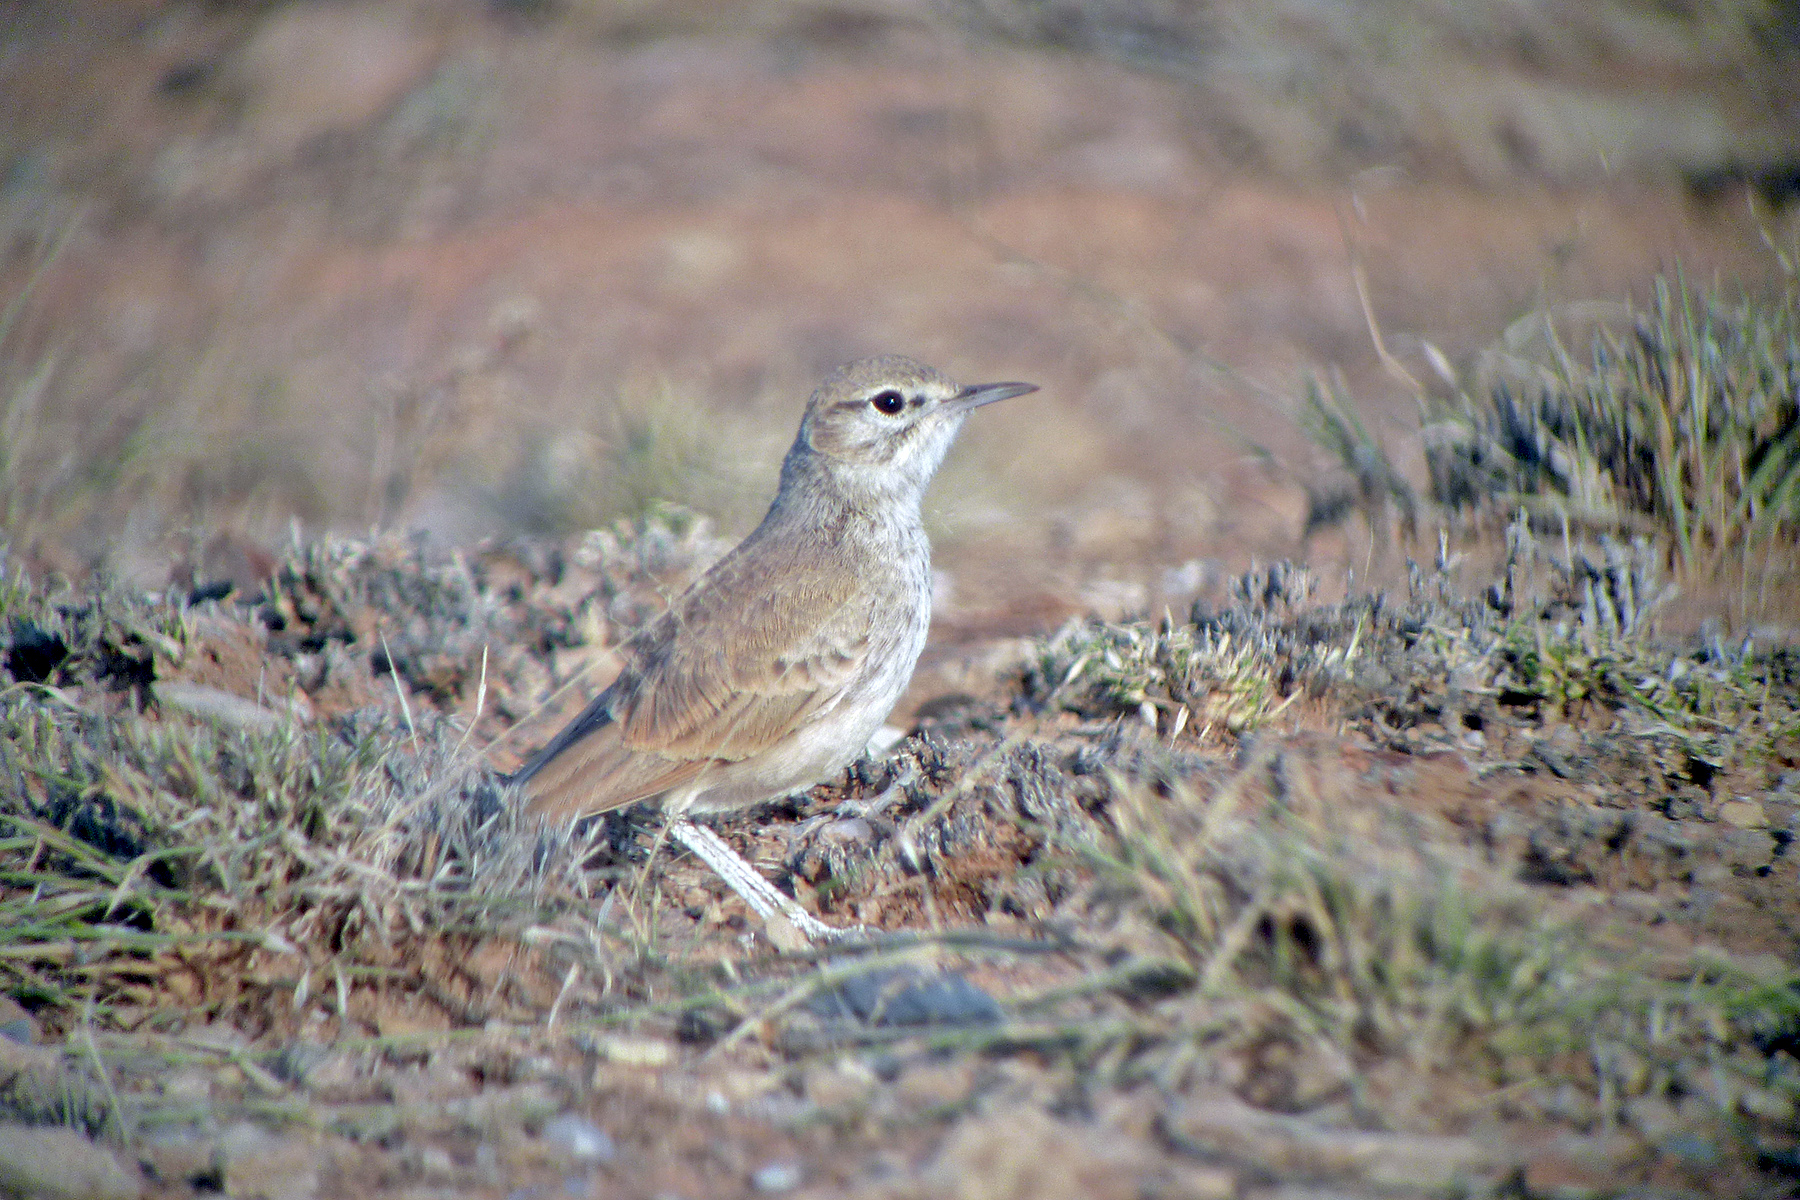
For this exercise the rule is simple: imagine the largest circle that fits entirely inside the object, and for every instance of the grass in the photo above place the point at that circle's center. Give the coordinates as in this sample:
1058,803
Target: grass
1213,673
1677,424
1281,906
200,442
1683,418
1287,916
1279,920
23,385
1358,953
1371,486
650,449
150,857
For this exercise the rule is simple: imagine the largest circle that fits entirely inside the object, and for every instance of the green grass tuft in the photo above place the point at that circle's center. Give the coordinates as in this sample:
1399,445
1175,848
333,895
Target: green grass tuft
1681,420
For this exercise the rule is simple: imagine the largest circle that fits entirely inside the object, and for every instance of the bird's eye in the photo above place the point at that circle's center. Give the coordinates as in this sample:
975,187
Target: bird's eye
889,402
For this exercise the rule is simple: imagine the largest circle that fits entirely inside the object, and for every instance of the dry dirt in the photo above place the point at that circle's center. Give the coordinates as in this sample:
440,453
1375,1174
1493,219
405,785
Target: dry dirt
325,958
518,269
467,270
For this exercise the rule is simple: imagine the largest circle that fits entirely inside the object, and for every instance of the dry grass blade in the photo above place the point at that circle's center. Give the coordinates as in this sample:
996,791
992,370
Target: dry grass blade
1683,419
1161,878
1345,950
1679,423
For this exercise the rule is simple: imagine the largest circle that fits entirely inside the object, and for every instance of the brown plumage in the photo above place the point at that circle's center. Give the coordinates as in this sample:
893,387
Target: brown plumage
773,670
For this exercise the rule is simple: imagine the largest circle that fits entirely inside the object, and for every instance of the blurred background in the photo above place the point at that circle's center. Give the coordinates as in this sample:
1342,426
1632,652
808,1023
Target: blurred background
492,267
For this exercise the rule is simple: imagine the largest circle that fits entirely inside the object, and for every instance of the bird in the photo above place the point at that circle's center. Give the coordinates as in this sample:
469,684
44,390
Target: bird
772,670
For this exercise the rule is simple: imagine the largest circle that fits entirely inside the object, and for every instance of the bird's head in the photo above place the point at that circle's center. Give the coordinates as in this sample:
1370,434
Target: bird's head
886,423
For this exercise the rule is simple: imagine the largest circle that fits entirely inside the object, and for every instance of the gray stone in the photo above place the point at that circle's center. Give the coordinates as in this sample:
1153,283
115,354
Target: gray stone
777,1177
1287,1145
184,1156
907,996
43,1163
583,1140
259,1165
16,1025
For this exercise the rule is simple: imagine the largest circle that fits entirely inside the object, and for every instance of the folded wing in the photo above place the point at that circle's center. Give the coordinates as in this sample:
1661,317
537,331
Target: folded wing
733,668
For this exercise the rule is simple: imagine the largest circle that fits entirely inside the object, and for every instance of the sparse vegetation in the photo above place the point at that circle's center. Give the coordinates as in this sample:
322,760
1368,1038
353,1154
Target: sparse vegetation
1678,428
655,448
1682,420
1368,952
1479,885
1284,920
1214,672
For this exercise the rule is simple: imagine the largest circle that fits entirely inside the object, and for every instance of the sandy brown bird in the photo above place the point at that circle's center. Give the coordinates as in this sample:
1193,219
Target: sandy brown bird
774,669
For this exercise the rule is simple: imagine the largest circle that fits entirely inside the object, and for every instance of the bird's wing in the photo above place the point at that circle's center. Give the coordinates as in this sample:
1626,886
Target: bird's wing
587,768
757,647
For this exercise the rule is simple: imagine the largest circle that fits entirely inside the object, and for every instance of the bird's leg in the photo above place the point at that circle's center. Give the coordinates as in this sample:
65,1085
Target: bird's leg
743,879
893,793
874,806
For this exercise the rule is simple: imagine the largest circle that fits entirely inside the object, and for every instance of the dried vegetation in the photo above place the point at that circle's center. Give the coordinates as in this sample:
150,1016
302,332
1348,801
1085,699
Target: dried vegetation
1675,427
1460,866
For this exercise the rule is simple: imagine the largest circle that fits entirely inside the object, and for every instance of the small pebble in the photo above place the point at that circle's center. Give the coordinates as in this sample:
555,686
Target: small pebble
776,1177
851,831
1692,1149
635,1051
435,1163
16,1025
584,1140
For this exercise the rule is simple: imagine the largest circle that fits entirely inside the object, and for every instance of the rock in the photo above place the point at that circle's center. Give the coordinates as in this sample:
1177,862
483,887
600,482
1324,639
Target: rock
1767,1103
1653,1116
583,1140
1194,1182
1745,814
634,1051
44,1163
840,1083
434,1164
16,1025
936,1085
1696,1152
1024,1154
190,1086
907,997
521,1104
259,1165
849,831
1284,1145
183,1156
777,1177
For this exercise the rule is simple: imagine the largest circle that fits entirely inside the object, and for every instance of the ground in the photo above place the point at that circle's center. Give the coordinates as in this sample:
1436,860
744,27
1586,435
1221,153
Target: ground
1241,838
1360,895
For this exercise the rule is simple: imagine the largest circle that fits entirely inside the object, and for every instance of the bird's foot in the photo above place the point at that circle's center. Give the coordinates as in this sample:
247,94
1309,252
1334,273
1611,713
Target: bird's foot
789,926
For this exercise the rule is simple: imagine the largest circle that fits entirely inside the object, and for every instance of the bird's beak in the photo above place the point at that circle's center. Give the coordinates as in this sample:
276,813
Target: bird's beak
978,394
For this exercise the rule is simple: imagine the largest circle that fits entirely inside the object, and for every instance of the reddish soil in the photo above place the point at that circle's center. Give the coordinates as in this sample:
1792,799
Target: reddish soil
459,269
446,280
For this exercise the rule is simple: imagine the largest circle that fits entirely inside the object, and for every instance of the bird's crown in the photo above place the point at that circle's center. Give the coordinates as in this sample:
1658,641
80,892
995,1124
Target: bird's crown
892,414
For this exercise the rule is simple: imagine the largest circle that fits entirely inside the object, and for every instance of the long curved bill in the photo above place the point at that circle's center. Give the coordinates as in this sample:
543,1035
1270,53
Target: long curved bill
978,394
